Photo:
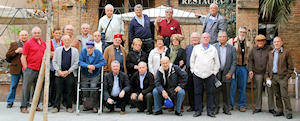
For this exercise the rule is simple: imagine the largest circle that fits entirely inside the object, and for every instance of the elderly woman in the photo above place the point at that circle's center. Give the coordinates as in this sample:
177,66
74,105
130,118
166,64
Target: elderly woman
156,54
135,56
177,53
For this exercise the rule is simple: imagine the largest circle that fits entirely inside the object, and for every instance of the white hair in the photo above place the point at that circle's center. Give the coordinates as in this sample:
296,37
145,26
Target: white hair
138,6
109,6
196,33
85,25
142,63
115,62
69,25
36,28
23,31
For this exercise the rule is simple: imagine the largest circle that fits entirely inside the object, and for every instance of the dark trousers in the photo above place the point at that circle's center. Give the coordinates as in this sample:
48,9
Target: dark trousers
148,46
280,88
190,89
52,89
64,87
167,41
199,84
119,102
146,103
223,90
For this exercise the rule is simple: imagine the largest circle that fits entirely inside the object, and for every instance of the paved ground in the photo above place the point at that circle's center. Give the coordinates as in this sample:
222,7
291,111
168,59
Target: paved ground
14,114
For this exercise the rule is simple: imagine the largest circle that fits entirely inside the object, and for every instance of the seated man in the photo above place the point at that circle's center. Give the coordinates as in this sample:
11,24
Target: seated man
65,63
91,61
168,85
142,84
116,88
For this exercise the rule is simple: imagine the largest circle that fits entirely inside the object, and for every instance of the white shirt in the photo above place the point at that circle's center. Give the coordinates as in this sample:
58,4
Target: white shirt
203,62
116,26
154,60
99,46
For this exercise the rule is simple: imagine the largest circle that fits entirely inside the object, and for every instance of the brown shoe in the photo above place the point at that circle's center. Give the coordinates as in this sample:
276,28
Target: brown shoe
122,112
243,109
69,110
24,110
55,110
95,110
38,109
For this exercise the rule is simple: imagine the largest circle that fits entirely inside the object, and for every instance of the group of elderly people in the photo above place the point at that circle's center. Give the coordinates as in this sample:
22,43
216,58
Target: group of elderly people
149,74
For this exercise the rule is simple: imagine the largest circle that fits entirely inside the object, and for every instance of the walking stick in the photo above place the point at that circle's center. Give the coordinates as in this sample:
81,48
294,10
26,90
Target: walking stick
252,95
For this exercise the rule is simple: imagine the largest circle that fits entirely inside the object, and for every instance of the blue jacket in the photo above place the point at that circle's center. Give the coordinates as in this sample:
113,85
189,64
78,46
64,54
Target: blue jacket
136,30
97,60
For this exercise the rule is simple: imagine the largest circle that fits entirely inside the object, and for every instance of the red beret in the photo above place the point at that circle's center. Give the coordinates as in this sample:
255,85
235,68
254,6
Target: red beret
118,36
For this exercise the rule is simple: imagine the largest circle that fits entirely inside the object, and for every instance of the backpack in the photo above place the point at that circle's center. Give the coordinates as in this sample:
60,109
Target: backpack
19,44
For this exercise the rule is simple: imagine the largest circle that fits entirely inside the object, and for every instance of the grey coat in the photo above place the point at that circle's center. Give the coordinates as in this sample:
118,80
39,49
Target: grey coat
57,60
230,63
215,26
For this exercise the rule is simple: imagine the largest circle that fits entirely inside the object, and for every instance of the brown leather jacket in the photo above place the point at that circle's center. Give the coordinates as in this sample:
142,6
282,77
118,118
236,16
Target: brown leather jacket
15,66
285,64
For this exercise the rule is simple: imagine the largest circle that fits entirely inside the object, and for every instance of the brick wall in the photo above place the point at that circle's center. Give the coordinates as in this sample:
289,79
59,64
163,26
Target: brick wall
290,33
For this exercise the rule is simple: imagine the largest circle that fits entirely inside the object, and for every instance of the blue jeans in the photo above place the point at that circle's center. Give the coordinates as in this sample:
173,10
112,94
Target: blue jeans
13,87
240,81
158,99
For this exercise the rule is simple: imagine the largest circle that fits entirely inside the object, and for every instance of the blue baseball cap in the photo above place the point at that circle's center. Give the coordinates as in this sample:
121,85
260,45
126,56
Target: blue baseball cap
90,44
168,103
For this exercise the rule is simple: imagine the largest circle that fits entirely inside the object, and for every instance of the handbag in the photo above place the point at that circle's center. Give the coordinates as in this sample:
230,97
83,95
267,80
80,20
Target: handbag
103,34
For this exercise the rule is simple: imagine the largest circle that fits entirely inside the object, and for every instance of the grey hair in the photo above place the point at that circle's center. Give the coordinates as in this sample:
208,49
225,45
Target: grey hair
115,61
214,4
196,33
36,28
85,24
142,62
138,6
206,33
169,8
109,6
69,25
242,28
23,32
222,32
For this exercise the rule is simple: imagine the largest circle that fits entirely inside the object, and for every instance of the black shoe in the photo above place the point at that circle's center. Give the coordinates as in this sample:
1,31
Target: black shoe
227,112
211,115
140,111
272,111
9,105
256,111
50,104
197,113
178,114
279,114
111,110
149,112
158,112
190,109
216,111
289,116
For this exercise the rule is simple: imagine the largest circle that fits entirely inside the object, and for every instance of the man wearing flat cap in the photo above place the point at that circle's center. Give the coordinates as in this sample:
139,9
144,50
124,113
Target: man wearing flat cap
115,52
257,64
91,62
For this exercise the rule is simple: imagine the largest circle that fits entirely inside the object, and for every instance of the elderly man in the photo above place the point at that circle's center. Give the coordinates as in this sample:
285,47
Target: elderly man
279,70
242,47
65,62
91,61
85,36
204,65
257,64
195,39
116,88
31,59
142,84
167,26
116,52
170,81
13,55
227,58
110,24
68,30
213,23
139,27
99,44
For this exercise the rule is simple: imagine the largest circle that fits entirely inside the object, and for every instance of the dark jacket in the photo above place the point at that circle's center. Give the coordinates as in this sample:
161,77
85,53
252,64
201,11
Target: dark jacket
16,66
176,77
109,83
230,63
180,56
285,64
136,30
133,58
148,83
258,59
98,62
